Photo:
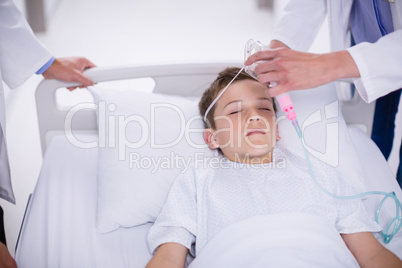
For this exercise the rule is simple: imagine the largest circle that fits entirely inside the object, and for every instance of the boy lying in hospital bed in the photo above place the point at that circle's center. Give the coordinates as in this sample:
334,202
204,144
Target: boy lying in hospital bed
254,176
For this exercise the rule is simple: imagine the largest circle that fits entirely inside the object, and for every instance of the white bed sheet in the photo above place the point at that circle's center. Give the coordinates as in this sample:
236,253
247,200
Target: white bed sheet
52,237
278,240
59,227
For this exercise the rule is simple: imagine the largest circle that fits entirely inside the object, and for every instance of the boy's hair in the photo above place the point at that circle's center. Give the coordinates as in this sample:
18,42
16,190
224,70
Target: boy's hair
223,79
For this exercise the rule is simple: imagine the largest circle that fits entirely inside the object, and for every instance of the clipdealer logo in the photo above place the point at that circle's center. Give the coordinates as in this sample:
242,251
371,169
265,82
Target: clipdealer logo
112,129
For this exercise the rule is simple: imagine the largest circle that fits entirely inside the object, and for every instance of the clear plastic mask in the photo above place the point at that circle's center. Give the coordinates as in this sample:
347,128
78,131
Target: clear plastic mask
252,46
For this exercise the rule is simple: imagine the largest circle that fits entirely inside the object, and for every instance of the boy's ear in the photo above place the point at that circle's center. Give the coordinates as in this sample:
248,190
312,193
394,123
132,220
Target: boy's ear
210,139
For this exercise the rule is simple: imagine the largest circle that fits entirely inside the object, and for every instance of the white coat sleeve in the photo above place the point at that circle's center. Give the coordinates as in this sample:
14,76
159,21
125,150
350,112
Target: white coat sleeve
21,54
380,66
299,25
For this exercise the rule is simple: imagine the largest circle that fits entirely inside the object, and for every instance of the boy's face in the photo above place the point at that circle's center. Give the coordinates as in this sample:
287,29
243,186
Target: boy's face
245,121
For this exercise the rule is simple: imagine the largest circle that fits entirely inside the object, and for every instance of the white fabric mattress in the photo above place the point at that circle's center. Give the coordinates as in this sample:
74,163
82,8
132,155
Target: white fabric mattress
59,228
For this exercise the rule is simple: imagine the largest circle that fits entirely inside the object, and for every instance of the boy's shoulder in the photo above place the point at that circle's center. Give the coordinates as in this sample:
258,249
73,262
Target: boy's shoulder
297,157
208,165
326,174
202,171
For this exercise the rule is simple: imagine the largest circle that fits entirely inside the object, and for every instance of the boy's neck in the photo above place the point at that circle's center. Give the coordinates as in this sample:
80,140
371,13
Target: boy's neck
256,160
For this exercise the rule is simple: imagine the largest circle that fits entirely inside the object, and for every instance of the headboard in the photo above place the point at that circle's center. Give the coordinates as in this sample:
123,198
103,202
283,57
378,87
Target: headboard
177,79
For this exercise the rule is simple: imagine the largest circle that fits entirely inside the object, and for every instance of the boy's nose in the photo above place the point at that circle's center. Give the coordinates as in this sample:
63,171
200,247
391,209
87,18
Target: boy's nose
254,118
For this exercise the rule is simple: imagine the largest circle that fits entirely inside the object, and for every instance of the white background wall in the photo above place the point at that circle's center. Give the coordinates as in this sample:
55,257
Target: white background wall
21,5
50,7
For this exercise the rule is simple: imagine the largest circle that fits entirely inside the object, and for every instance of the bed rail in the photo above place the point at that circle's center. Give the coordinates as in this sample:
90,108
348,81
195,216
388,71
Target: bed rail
178,79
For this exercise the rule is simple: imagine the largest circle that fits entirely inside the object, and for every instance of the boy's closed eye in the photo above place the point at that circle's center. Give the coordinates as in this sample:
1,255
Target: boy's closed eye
264,109
232,108
234,112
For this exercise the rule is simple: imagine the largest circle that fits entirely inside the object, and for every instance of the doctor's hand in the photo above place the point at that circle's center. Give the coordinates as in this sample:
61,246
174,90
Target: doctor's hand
293,70
70,70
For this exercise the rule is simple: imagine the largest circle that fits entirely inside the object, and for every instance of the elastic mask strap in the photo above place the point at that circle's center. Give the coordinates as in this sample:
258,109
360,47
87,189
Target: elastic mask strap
220,94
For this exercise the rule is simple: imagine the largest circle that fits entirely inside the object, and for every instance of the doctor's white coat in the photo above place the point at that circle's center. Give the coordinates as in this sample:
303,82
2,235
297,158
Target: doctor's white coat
380,64
21,55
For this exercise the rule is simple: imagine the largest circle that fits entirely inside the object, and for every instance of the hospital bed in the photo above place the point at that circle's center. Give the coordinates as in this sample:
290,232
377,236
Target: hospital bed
60,226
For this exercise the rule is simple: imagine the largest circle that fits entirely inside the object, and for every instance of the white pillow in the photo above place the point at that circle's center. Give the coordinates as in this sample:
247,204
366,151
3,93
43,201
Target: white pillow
378,176
325,134
129,197
145,141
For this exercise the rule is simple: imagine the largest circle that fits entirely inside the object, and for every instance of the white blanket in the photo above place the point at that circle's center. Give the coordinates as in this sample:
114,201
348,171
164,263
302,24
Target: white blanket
281,240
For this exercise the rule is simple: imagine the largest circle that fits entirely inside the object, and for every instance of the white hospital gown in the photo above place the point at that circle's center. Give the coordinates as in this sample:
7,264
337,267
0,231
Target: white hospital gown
204,200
